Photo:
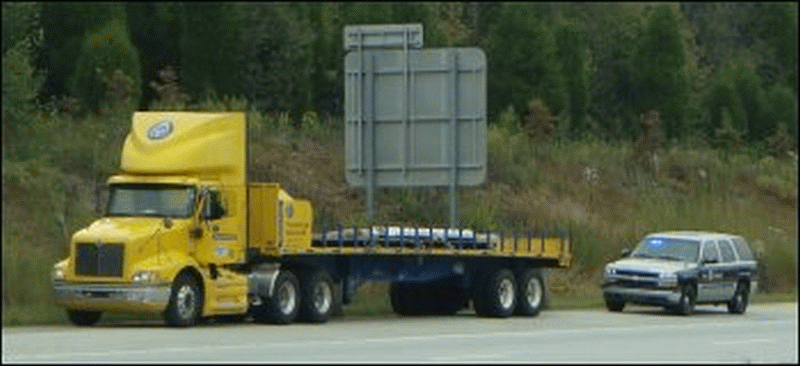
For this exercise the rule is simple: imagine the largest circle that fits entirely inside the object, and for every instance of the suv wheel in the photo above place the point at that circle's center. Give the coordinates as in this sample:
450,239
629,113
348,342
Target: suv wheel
613,303
738,303
687,301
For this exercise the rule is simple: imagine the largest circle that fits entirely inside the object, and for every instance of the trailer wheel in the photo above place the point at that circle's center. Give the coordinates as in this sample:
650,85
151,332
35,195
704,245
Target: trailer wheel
83,318
445,299
495,294
530,293
338,301
405,300
284,304
316,296
185,302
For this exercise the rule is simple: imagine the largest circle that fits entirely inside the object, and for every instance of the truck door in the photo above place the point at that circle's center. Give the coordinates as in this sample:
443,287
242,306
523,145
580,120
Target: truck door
220,242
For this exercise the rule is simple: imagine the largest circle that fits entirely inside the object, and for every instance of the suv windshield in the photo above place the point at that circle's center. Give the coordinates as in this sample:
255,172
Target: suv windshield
667,248
151,200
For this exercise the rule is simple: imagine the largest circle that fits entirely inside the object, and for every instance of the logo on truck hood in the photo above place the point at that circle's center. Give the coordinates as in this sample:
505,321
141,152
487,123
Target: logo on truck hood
160,130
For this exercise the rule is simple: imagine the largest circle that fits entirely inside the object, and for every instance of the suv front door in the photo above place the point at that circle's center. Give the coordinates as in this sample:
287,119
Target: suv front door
729,268
708,274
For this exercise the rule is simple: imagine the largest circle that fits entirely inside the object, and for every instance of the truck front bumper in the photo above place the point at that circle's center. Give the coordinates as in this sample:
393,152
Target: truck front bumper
104,297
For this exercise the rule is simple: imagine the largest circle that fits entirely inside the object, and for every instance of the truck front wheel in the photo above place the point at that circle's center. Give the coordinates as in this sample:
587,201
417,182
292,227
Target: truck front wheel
495,295
83,318
316,297
185,303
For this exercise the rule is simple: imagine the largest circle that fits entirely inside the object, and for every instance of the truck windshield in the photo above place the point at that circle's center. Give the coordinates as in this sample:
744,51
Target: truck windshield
163,200
667,248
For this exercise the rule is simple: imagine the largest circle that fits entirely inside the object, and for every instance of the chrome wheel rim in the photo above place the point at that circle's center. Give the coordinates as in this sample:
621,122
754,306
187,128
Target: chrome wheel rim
286,298
185,301
322,297
505,293
534,292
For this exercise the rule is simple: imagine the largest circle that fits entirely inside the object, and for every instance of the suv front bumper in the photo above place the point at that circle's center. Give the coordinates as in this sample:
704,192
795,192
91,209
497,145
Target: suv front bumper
105,297
643,296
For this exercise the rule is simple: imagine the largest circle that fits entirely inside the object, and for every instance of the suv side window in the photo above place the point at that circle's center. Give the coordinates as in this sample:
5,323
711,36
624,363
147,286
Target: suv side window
726,251
743,249
709,252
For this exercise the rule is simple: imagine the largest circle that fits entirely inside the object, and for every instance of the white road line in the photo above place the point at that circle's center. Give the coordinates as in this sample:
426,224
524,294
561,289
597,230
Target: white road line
434,337
746,341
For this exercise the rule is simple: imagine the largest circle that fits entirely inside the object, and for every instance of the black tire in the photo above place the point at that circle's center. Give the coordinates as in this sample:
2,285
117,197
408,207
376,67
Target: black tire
83,318
316,296
687,301
495,294
613,303
444,299
283,306
738,303
405,300
530,293
185,302
338,301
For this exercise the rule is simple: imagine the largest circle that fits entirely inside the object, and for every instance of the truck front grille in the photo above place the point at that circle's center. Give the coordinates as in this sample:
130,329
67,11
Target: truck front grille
101,259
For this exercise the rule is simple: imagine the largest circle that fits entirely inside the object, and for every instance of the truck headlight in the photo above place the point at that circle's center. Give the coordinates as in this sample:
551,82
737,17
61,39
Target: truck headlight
610,271
145,276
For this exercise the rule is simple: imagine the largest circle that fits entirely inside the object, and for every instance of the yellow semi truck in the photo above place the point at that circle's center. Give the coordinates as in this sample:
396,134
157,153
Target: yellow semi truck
186,235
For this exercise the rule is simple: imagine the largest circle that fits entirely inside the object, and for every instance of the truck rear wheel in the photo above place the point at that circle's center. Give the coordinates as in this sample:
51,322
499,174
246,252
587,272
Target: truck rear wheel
185,302
282,307
530,293
404,299
495,294
316,296
83,318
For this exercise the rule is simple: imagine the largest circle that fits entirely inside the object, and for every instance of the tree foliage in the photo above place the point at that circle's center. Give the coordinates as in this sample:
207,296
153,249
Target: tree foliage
659,63
571,42
522,71
105,51
596,66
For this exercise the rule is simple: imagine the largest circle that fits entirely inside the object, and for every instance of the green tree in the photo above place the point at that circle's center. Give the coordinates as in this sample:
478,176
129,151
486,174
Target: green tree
21,85
275,55
781,109
153,31
104,51
659,62
571,41
63,28
210,36
613,33
523,62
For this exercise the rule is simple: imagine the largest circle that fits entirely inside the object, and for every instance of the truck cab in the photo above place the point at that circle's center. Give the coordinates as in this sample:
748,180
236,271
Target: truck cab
175,221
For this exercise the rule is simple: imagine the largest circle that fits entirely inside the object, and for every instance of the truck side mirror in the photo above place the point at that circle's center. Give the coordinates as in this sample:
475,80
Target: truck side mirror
625,252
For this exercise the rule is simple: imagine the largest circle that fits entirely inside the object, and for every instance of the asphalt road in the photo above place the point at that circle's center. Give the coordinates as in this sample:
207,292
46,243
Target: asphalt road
767,333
